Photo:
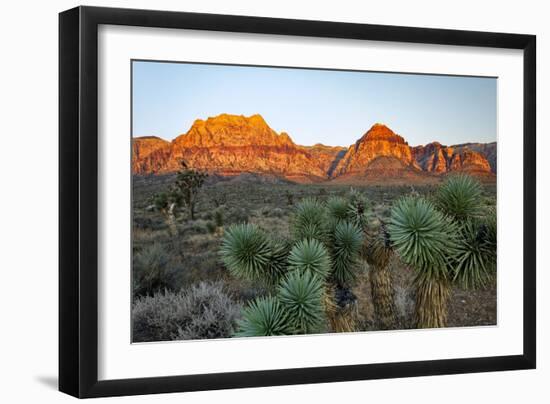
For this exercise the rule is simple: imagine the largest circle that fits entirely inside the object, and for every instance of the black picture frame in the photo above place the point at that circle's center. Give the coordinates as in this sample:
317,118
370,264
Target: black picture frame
78,201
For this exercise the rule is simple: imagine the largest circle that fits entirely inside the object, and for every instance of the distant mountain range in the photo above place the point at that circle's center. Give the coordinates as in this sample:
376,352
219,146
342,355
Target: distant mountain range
230,145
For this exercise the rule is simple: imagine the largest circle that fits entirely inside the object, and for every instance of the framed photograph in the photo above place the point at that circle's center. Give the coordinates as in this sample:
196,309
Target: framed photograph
251,201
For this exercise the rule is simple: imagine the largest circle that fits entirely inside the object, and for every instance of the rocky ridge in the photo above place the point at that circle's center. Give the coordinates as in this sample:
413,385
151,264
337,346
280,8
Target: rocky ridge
231,145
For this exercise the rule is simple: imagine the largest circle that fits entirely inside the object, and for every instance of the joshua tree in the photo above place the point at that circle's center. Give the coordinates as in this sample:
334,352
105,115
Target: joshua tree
317,267
426,240
188,183
460,197
377,252
168,203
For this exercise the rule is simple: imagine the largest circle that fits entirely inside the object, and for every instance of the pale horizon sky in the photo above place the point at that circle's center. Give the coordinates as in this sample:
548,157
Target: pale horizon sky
314,106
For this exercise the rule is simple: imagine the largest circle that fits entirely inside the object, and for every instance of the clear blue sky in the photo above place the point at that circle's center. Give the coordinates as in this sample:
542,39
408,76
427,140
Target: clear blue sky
315,106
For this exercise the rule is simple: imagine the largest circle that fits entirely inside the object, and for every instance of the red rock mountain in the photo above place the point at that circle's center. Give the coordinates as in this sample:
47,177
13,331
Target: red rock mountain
231,145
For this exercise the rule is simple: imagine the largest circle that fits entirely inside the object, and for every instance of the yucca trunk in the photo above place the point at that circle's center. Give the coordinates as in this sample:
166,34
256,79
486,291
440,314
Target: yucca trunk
171,220
378,253
432,297
341,317
383,297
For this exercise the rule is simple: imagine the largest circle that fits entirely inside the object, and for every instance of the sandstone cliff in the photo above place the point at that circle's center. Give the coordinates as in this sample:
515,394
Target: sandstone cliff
230,145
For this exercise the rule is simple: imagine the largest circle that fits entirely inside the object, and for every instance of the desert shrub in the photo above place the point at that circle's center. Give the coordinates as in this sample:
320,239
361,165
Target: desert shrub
237,215
203,311
289,198
149,270
218,217
152,223
211,227
207,215
197,226
265,211
277,212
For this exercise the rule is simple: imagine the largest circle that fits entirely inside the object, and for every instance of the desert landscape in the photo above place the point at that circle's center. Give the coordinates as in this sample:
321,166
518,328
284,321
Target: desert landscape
239,231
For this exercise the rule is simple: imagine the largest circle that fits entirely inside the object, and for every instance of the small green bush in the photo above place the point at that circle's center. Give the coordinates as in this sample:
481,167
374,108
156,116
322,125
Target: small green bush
149,270
211,227
218,217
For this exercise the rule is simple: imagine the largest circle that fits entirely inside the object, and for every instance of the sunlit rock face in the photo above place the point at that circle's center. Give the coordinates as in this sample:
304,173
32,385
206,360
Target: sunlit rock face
235,144
379,141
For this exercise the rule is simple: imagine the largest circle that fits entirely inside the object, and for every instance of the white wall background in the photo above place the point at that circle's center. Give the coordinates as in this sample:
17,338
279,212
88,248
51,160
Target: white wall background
28,199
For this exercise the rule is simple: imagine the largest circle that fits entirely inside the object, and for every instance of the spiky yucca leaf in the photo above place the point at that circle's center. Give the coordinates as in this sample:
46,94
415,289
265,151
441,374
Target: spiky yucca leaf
337,208
310,220
491,232
311,256
246,252
358,208
422,236
347,241
300,293
473,263
460,197
278,259
264,316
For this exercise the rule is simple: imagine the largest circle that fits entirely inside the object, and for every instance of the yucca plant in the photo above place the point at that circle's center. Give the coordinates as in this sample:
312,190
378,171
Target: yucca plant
337,208
346,244
310,256
358,208
265,316
248,254
425,239
300,294
474,263
310,220
377,252
490,222
460,197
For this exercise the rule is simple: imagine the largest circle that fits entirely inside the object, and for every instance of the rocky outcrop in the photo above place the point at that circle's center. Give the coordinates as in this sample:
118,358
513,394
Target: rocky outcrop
379,141
436,158
142,148
232,145
487,150
327,157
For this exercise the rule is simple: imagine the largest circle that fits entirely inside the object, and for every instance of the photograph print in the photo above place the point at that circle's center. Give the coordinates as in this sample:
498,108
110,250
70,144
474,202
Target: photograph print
278,201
